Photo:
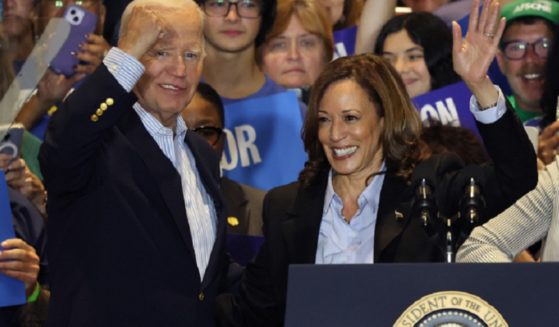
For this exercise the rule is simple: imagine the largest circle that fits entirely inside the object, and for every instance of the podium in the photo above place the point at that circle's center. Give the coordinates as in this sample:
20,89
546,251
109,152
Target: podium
432,294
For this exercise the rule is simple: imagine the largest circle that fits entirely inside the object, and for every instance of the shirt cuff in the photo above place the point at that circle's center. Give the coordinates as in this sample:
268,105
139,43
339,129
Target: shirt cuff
126,69
489,115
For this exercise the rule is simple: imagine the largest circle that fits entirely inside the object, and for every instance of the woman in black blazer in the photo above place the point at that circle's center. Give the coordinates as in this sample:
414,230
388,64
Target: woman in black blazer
354,200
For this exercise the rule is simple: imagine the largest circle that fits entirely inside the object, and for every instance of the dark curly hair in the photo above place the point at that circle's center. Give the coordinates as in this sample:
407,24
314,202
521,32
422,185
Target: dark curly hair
400,139
433,35
268,16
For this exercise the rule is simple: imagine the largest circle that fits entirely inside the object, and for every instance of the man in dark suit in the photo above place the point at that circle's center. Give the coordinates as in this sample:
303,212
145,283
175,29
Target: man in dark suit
136,224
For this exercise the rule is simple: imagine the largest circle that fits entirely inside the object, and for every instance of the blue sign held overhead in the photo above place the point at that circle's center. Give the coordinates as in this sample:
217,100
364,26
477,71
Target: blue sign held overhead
344,42
449,105
12,291
263,145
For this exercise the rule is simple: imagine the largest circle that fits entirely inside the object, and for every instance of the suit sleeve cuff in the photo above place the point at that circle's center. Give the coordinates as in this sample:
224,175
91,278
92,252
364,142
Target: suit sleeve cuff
489,115
126,69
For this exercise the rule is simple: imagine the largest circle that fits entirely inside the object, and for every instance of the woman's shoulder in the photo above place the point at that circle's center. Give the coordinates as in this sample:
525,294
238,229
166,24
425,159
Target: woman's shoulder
284,193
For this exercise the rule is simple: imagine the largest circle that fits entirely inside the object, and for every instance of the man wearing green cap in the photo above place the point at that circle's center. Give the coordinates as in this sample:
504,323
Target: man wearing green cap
523,53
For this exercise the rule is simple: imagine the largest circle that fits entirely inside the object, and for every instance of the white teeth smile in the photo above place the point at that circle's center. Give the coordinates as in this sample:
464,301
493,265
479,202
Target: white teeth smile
531,76
345,151
169,87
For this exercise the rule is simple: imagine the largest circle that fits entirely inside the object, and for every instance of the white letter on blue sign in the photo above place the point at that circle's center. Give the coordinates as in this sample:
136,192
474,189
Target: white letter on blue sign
231,145
448,114
246,136
340,50
428,113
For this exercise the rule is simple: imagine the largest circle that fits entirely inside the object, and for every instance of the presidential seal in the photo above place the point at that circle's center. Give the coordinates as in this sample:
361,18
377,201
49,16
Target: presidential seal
451,309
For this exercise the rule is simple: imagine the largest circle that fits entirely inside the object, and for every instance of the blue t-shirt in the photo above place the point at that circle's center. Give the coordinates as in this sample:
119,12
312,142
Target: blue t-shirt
270,87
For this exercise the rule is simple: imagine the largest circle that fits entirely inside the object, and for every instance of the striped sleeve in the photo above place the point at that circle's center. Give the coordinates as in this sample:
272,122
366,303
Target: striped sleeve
126,69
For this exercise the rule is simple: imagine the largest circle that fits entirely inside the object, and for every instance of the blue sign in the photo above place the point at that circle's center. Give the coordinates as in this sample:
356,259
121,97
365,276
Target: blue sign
12,291
263,141
450,105
344,42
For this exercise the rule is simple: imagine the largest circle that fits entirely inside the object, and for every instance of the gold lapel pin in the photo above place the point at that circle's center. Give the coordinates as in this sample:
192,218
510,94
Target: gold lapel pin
233,221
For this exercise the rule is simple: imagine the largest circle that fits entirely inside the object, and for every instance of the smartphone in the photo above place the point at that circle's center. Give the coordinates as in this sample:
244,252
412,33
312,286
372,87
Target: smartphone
82,22
13,136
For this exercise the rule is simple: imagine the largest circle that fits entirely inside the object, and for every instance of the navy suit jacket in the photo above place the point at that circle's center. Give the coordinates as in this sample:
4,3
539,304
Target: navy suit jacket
120,248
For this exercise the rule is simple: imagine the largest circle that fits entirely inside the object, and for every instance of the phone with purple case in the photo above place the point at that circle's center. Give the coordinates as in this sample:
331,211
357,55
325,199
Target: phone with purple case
11,142
82,22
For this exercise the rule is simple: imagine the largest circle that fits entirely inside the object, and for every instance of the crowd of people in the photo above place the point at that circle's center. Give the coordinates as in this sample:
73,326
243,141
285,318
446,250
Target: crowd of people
124,215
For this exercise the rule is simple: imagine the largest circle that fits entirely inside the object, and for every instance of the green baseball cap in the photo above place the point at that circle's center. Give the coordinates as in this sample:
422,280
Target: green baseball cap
545,9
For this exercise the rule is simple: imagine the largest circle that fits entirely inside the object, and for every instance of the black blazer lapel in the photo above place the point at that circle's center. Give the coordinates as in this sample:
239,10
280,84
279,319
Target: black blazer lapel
164,173
393,214
208,169
302,228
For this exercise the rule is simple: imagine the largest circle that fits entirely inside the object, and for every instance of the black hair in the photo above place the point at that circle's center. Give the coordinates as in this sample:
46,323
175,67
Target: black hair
268,15
551,86
431,33
206,92
528,20
454,139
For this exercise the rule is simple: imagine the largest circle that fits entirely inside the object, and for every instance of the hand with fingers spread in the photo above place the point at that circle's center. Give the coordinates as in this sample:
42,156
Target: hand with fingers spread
19,260
548,143
473,54
141,30
91,54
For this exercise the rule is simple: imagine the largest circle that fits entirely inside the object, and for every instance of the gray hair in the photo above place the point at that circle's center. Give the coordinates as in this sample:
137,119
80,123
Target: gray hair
173,4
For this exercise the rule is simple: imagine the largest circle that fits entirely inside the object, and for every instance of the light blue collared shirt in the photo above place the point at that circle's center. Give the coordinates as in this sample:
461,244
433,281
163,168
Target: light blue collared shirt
200,209
353,242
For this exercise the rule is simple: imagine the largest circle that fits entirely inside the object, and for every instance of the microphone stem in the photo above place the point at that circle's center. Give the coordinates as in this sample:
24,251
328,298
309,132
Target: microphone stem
450,255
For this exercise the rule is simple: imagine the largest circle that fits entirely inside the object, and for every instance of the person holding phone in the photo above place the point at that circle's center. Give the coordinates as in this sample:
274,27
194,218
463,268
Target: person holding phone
136,220
53,87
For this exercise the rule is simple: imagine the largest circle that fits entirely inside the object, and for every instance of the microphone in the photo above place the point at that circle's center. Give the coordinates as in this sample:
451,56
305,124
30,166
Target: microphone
472,203
425,205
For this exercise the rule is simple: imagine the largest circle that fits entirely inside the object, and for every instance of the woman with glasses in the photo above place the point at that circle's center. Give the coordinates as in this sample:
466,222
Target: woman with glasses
353,200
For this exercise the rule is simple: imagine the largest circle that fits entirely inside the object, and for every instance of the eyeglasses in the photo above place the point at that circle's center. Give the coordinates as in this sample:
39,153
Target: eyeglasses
516,50
245,8
210,133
